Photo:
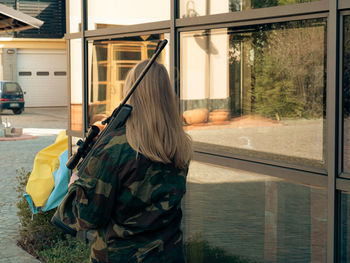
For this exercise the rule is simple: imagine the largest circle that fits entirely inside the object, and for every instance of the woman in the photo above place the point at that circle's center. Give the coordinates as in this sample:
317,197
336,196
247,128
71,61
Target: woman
131,189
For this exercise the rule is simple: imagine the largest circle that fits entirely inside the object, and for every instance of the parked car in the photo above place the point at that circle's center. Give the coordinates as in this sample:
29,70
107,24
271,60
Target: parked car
11,97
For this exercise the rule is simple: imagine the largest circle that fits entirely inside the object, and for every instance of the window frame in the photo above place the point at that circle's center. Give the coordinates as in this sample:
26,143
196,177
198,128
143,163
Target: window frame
332,176
342,174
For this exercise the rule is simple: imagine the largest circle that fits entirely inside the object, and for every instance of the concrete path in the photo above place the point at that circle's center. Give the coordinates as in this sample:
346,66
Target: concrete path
44,124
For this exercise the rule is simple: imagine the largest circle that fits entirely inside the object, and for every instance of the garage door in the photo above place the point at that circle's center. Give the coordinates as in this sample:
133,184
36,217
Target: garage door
42,74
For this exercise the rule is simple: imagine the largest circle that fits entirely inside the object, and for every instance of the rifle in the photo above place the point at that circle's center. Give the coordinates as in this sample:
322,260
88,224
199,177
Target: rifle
116,120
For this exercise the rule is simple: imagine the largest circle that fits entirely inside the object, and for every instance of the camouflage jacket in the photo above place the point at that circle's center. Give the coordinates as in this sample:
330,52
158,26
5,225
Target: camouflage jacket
131,202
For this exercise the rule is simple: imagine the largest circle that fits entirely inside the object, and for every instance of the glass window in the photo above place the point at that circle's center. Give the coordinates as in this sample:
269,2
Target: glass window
346,85
237,216
76,85
109,63
257,90
12,88
344,228
114,13
60,73
192,8
24,73
75,16
42,73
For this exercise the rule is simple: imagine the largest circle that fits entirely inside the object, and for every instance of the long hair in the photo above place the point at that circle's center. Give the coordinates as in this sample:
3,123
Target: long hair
154,127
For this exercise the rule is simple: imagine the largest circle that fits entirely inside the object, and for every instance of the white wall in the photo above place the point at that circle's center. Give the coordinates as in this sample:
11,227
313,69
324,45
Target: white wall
219,82
190,7
204,76
74,15
193,69
76,72
127,12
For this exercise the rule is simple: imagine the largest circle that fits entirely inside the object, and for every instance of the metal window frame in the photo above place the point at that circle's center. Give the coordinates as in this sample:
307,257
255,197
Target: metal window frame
74,35
342,182
85,64
131,34
132,29
332,114
343,174
69,130
332,176
341,96
294,175
174,47
226,153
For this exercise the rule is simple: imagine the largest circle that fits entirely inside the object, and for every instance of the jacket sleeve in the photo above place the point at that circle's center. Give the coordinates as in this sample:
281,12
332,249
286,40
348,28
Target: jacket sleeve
89,201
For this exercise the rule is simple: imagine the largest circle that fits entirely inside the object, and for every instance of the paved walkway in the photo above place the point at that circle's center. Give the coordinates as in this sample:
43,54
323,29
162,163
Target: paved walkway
43,125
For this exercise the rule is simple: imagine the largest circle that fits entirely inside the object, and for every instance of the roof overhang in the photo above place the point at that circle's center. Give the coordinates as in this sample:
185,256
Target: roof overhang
12,20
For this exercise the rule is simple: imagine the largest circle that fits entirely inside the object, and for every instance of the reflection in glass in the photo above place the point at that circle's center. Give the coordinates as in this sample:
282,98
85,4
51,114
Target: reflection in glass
257,90
346,85
193,8
74,16
236,216
344,228
109,64
117,13
76,86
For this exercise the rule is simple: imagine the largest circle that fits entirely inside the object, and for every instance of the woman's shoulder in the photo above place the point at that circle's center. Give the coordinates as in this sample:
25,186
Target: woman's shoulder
117,138
117,146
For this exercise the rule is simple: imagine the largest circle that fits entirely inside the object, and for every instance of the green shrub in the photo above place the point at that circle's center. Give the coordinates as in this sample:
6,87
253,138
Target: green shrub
198,250
70,250
39,237
36,231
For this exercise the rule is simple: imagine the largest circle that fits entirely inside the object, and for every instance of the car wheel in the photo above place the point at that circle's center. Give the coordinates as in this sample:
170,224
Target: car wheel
17,111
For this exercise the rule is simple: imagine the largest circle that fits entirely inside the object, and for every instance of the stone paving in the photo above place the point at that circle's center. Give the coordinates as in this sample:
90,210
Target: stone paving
43,124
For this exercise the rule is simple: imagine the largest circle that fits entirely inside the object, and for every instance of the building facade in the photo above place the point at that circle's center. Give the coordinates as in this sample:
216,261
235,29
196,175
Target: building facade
264,93
37,58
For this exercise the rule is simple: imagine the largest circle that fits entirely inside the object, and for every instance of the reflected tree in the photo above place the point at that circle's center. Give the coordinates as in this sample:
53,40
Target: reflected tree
264,3
286,65
290,67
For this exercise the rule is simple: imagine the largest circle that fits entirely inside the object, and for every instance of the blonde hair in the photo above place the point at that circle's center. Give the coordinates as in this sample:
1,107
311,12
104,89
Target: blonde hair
154,127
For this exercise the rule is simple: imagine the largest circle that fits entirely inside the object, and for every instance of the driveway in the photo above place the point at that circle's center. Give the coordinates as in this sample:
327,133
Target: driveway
51,118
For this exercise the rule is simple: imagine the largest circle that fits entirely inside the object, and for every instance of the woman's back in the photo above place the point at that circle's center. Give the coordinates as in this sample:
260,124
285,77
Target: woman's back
144,199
